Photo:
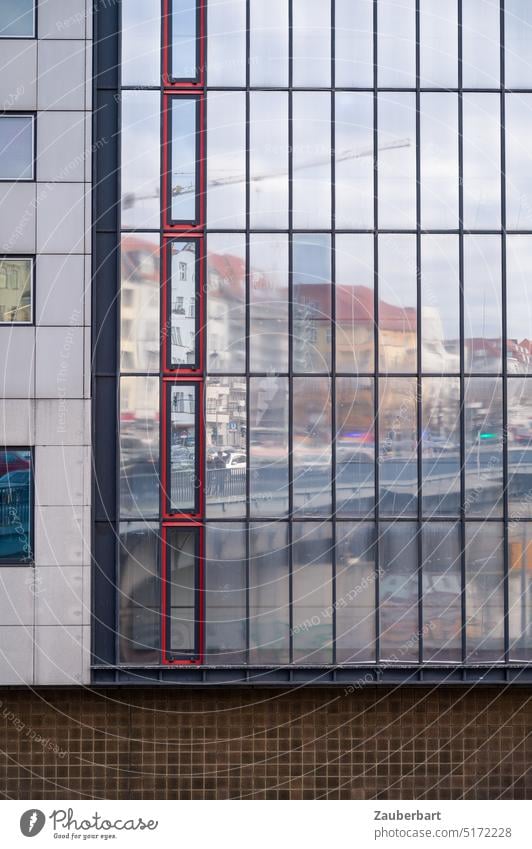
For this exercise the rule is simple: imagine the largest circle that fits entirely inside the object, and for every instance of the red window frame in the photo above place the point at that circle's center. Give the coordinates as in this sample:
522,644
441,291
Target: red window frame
166,292
168,80
166,514
180,230
198,224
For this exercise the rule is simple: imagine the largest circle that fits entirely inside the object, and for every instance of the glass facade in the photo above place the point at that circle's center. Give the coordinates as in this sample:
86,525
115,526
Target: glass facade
326,426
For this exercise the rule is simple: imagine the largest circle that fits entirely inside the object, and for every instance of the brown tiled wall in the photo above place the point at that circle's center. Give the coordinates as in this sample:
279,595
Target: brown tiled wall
310,743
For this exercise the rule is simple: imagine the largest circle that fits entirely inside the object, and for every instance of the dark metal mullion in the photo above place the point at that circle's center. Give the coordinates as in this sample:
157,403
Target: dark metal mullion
461,334
290,343
333,331
504,352
376,439
419,406
247,328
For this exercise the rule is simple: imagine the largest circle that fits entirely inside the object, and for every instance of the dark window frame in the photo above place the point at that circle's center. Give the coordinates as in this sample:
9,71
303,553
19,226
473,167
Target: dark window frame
32,259
30,559
166,306
33,116
32,37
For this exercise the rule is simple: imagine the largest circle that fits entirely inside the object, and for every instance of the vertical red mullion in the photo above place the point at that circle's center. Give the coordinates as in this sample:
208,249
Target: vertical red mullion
170,376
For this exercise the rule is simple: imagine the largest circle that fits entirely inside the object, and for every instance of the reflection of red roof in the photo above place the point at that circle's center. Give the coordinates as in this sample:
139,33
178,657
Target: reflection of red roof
131,247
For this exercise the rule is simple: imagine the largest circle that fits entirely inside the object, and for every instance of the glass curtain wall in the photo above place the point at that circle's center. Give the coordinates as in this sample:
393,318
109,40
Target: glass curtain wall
357,244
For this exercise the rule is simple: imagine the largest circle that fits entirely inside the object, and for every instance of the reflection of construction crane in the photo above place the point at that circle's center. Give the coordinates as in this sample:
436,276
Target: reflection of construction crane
178,189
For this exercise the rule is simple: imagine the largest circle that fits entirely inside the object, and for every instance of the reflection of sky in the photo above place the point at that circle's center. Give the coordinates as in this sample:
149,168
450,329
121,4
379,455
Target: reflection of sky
354,176
141,127
439,44
184,39
354,43
518,163
16,147
480,44
226,44
482,287
269,156
311,159
397,167
184,157
141,42
269,42
396,43
518,41
311,30
482,188
439,160
226,158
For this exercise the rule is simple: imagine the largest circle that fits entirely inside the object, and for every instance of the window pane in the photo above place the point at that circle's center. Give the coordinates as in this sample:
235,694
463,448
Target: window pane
225,416
268,292
397,160
439,160
519,310
397,304
268,445
16,489
226,162
311,302
397,448
482,303
439,43
140,37
440,304
269,600
311,160
355,592
355,446
225,592
399,624
518,43
184,18
183,181
268,159
396,46
140,292
519,448
354,160
16,147
483,446
181,574
15,289
139,593
312,592
311,34
140,172
441,446
182,437
353,43
480,43
312,446
139,447
226,44
518,161
484,591
482,161
183,345
226,302
442,593
17,19
354,303
268,49
520,602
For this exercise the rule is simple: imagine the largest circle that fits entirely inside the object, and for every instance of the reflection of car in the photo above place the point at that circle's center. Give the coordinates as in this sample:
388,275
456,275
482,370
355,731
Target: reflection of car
15,480
11,461
235,461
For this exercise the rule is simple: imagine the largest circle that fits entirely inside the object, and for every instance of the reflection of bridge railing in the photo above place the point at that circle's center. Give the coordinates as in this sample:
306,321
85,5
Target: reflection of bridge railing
226,483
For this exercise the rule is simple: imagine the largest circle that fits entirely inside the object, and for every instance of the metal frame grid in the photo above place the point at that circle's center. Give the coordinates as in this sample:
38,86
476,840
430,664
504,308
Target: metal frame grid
378,671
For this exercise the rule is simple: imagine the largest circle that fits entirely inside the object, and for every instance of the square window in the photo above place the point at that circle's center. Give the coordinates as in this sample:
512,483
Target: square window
16,147
17,19
16,505
16,276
